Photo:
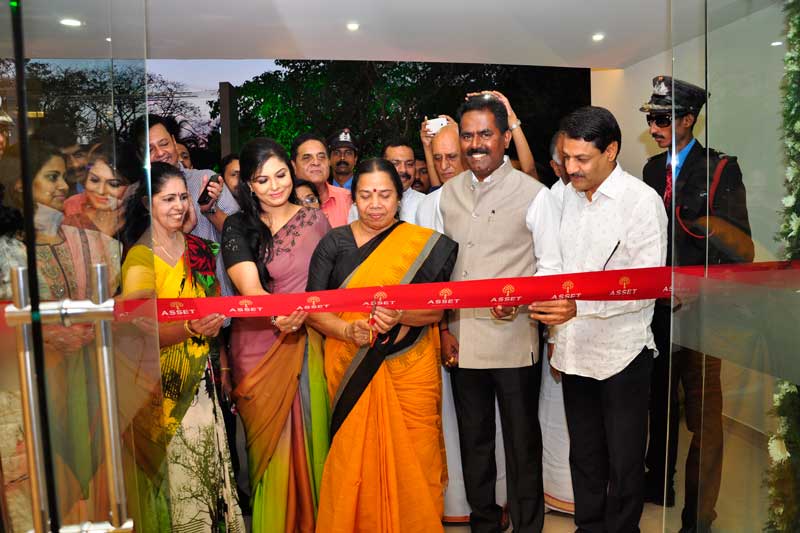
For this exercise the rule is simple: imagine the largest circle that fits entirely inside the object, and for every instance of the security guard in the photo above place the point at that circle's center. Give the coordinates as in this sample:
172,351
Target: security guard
706,204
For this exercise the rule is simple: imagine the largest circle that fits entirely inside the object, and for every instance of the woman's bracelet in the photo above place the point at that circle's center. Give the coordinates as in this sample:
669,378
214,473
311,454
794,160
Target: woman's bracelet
189,330
347,324
225,369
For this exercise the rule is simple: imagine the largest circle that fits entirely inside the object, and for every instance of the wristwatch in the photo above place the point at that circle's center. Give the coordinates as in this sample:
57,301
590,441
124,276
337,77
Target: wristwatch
516,125
211,211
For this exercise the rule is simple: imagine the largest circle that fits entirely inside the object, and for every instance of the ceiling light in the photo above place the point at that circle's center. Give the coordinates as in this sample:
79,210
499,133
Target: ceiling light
352,26
597,37
108,39
71,22
776,43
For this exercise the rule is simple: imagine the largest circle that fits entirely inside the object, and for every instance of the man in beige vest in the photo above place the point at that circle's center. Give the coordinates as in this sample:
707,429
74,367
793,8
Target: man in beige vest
506,226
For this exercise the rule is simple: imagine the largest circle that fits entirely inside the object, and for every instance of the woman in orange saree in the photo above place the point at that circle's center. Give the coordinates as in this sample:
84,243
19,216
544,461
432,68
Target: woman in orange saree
386,467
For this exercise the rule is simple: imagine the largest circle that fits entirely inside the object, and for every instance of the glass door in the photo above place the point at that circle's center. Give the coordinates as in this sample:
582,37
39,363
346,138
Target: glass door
81,438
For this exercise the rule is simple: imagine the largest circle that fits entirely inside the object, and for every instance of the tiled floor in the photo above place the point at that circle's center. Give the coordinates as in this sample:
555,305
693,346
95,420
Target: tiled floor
742,504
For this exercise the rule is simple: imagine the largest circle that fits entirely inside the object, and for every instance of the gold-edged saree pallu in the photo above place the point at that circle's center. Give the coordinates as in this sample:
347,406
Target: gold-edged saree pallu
385,469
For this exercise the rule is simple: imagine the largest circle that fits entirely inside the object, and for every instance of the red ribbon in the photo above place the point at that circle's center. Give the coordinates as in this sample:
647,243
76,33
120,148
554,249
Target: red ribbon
629,284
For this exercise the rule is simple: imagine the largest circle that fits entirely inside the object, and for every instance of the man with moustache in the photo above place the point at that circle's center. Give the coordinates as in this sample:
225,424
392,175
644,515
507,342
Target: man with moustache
448,163
681,176
506,226
310,162
400,154
344,156
604,349
422,183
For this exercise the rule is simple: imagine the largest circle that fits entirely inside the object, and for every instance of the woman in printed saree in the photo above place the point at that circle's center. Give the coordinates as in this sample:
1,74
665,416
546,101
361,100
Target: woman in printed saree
386,466
199,495
63,257
267,247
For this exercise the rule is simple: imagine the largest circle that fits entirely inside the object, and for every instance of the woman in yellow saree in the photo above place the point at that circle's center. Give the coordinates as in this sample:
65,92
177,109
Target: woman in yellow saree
386,467
193,490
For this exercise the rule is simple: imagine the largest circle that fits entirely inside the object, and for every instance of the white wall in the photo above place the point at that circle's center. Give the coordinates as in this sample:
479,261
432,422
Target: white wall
744,74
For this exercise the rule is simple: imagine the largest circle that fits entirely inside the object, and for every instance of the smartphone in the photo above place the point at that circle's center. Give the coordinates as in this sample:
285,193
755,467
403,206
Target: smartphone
204,196
435,124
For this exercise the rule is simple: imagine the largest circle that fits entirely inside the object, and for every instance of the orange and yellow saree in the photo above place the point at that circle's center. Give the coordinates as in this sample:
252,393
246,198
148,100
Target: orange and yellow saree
386,467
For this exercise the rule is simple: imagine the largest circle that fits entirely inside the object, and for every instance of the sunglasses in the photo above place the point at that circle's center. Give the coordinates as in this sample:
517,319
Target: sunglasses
662,121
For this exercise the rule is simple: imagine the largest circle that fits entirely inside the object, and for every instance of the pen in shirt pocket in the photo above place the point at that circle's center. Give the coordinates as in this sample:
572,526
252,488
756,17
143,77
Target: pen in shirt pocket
612,255
491,215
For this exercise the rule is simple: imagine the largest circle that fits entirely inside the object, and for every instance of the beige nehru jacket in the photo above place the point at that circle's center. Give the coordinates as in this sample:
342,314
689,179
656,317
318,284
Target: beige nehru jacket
487,219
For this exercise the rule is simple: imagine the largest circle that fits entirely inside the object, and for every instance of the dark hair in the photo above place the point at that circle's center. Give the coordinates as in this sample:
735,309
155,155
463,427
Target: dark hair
122,159
137,212
303,138
56,134
419,156
227,160
39,153
486,103
142,125
593,124
306,183
396,143
11,221
259,238
377,164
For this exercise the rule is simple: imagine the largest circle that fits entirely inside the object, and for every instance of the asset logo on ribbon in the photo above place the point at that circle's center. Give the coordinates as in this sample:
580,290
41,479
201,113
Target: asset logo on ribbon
623,282
313,304
177,309
379,298
568,287
246,306
444,298
507,291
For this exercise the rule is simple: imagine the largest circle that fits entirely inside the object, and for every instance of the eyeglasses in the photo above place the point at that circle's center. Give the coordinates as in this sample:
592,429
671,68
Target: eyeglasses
310,200
662,121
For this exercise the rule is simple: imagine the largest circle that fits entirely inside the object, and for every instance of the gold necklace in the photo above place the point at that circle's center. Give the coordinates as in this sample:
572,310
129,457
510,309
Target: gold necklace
164,249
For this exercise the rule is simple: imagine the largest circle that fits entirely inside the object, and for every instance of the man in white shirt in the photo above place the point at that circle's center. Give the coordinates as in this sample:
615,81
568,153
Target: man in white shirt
401,155
506,225
604,349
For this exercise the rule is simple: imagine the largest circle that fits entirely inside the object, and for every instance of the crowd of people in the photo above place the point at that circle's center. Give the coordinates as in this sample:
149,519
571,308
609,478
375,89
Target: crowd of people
388,420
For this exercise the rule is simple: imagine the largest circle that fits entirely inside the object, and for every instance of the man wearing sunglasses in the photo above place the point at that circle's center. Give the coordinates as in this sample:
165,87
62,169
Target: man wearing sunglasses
704,217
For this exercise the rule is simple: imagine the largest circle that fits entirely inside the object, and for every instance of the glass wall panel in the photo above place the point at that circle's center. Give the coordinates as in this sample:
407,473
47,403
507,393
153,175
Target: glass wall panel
734,321
85,89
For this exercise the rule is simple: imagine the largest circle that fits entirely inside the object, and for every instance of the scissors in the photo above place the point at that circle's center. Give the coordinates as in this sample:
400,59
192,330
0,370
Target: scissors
371,323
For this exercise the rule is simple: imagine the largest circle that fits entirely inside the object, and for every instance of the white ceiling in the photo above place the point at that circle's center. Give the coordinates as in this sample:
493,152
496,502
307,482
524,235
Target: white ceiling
531,32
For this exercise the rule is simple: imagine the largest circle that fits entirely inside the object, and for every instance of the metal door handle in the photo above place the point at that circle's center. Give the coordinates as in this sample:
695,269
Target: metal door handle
31,416
100,311
107,381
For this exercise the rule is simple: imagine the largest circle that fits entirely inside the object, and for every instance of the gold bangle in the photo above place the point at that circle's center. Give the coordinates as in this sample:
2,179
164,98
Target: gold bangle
225,369
347,324
189,330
